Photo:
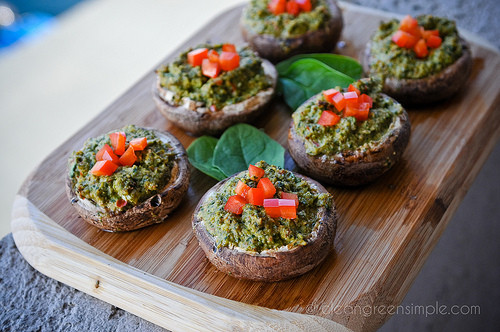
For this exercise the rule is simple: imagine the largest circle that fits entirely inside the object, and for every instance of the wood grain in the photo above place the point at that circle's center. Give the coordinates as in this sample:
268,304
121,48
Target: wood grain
386,230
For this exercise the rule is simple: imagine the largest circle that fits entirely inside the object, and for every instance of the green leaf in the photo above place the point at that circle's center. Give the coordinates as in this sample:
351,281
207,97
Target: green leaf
341,63
309,77
200,154
241,145
295,94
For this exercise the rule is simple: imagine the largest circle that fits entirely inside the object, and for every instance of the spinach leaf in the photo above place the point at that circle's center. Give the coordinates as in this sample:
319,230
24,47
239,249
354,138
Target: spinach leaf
200,154
341,63
310,76
241,145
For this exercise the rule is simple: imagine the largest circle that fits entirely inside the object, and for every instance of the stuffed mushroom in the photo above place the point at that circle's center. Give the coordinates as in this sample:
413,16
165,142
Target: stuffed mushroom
421,60
278,29
349,138
127,179
211,87
266,224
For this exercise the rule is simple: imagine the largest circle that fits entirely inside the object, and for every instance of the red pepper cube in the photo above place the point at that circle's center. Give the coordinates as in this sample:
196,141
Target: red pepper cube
272,207
242,189
128,158
421,49
292,8
255,172
209,68
104,167
229,60
267,186
235,204
364,98
293,196
255,196
305,5
229,48
195,57
328,118
118,140
351,98
213,56
363,112
404,39
139,144
352,88
121,203
338,101
110,155
287,208
427,33
434,41
329,94
100,153
410,25
277,7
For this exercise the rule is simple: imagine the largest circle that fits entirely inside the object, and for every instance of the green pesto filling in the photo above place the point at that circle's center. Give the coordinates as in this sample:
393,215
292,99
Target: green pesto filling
230,87
390,60
348,134
254,230
262,21
136,183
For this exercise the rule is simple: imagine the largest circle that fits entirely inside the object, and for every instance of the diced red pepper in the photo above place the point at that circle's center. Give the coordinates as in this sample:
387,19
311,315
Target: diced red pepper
100,153
242,189
292,8
410,25
267,186
118,140
329,94
364,98
339,101
287,208
209,68
235,204
361,114
293,196
121,203
255,196
255,172
420,49
272,207
277,7
195,57
427,33
128,158
139,144
305,5
213,56
352,88
110,155
229,48
328,118
434,41
229,60
351,98
104,167
404,39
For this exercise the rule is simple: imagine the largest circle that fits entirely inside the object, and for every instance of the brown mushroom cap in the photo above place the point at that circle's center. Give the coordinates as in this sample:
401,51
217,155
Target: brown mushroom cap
199,120
276,49
353,168
152,211
270,265
430,89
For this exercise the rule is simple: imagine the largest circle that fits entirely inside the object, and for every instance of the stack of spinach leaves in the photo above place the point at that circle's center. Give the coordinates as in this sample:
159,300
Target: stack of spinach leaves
305,75
239,146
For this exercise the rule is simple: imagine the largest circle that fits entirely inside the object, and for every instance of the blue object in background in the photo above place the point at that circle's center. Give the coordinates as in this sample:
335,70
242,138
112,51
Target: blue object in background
31,18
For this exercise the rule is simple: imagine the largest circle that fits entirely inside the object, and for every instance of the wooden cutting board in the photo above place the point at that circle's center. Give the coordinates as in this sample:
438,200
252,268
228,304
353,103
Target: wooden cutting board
386,230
